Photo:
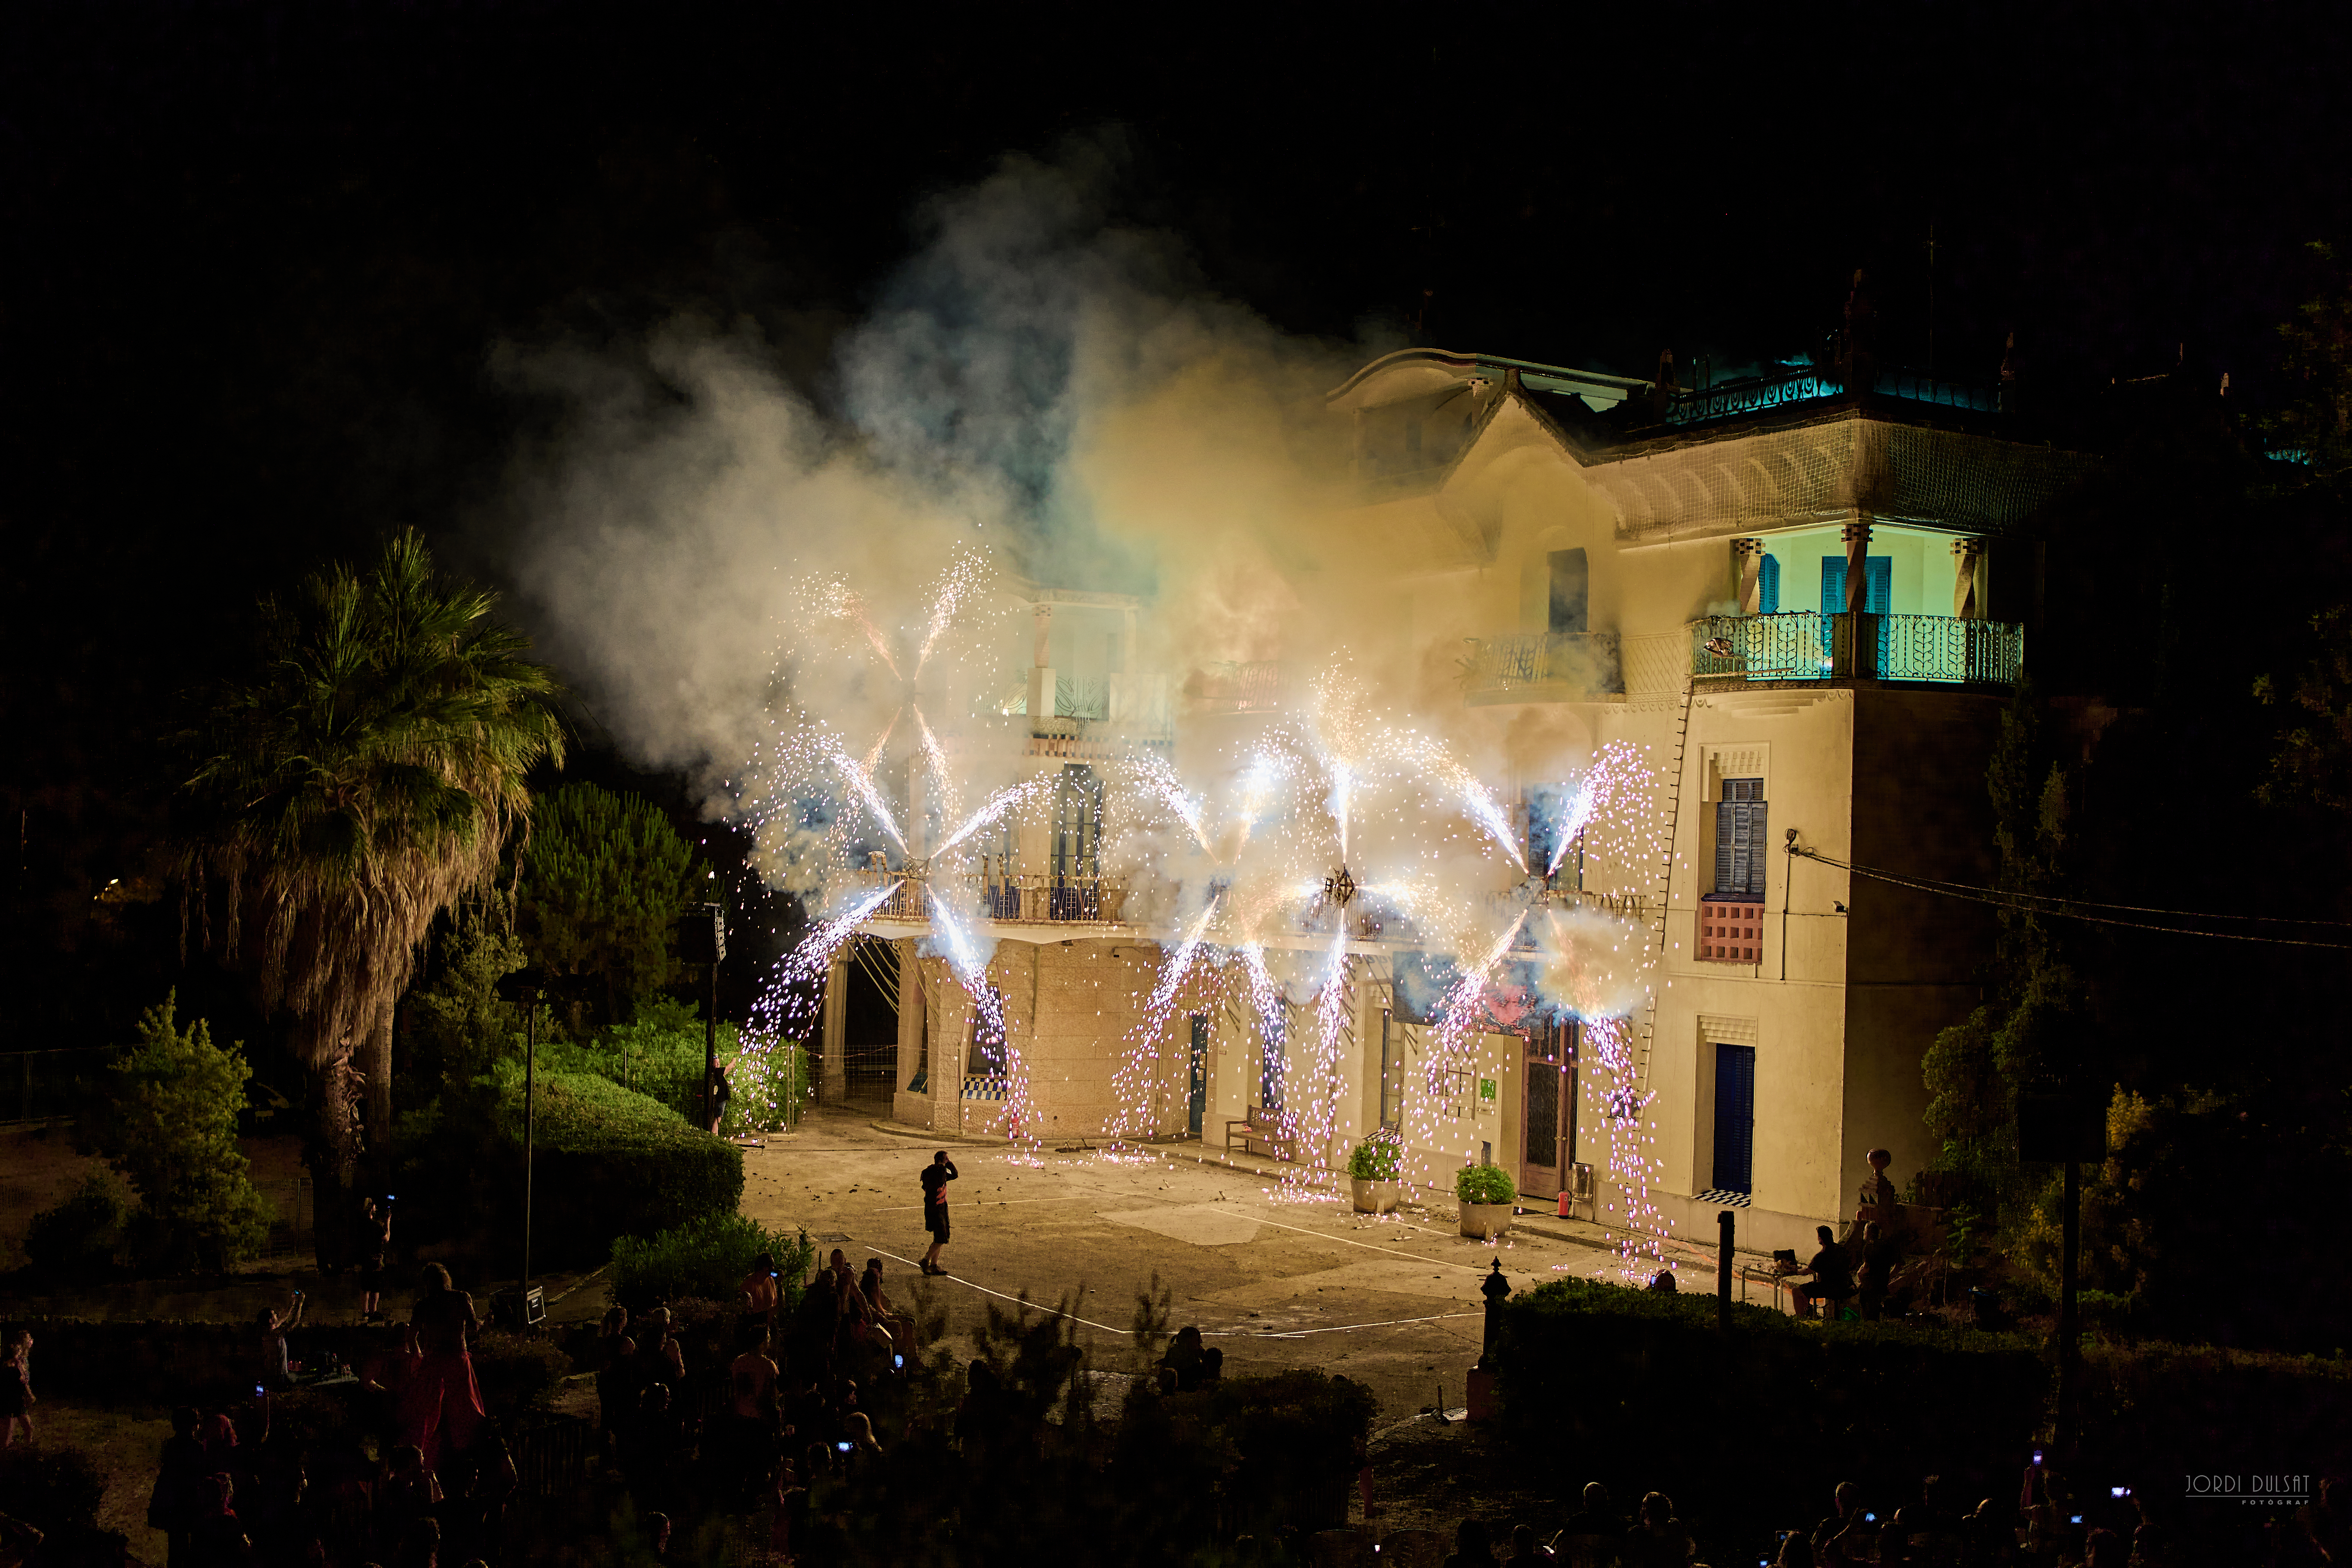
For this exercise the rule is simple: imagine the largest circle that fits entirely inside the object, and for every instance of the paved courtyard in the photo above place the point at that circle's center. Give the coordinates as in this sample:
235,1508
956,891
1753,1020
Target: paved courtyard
1275,1278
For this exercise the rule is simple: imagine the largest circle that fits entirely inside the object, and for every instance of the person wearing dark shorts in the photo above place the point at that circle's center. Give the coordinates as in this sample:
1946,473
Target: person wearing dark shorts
374,1241
936,1177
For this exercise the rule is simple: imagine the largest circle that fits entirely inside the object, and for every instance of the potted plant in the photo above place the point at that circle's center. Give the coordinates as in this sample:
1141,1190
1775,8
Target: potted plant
1374,1167
1487,1193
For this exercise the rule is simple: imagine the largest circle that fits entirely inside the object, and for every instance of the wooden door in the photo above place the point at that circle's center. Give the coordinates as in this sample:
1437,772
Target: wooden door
1547,1122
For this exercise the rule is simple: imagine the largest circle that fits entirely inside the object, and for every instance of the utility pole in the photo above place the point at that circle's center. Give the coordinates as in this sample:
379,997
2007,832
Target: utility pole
530,1114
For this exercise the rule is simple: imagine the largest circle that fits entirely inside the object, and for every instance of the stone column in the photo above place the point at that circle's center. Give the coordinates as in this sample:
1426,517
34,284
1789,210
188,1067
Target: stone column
1968,579
946,1021
1857,567
913,1036
1748,575
833,1080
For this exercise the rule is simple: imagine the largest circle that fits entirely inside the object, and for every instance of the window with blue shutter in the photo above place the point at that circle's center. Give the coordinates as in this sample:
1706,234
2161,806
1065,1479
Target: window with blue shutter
1735,1118
1877,585
1768,586
1740,840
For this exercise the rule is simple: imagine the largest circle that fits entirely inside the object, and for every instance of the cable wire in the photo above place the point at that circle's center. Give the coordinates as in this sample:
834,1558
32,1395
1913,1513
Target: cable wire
2001,898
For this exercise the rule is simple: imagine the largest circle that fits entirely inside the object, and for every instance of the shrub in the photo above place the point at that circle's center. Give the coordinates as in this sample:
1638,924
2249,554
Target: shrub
1635,1373
1484,1185
1300,1437
171,1125
1378,1158
706,1257
53,1488
79,1237
608,1162
660,1055
517,1374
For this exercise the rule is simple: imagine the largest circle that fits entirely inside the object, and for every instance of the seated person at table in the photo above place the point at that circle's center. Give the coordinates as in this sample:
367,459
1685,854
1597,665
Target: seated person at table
1833,1274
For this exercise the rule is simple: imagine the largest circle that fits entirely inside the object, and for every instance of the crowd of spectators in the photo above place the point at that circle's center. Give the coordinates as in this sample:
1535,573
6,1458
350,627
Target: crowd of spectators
2045,1525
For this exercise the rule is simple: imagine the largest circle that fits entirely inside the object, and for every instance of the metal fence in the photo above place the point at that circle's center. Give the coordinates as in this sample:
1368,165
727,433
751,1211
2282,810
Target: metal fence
293,1216
43,1087
1806,646
1584,662
1040,898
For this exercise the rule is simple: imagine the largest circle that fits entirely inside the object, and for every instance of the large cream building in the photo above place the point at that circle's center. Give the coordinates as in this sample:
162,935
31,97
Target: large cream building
1808,603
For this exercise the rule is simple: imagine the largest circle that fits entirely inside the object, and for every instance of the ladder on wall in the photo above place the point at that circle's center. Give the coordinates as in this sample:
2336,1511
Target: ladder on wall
1665,882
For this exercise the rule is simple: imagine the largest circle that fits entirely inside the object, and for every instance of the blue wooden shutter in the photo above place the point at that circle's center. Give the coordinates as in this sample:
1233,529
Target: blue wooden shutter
1272,1032
1735,1118
1768,586
1571,588
1832,585
1878,584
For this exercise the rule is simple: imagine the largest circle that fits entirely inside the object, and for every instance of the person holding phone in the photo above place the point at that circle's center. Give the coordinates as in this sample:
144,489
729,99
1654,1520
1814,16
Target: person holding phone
374,1244
936,1177
277,1372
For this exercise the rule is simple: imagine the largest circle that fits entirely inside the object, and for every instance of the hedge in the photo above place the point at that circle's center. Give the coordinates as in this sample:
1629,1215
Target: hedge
708,1259
1780,1411
606,1162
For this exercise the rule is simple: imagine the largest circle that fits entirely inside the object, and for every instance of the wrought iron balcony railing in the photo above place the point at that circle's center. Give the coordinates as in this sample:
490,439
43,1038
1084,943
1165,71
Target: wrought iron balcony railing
1253,687
1024,897
1806,646
1531,665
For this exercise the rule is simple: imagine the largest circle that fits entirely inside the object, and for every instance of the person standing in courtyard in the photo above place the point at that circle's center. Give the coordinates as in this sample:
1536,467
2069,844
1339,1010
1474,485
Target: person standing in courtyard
16,1383
936,1177
440,1404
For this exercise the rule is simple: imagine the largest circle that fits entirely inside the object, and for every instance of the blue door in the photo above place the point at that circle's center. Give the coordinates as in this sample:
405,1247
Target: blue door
1735,1118
1197,1102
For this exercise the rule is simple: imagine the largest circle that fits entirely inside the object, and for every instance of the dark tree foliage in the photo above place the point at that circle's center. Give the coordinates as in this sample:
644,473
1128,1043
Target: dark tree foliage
604,880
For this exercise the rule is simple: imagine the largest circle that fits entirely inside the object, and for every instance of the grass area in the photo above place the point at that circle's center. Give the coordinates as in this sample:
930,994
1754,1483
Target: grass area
125,1444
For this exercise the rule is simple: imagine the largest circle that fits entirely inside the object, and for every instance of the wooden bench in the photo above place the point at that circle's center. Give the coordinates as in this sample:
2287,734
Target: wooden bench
1264,1132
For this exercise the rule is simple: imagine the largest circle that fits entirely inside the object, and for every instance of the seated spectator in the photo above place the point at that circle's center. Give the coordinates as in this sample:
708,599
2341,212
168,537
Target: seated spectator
1213,1366
1663,1282
216,1537
1596,1517
1183,1357
2103,1549
406,1493
894,1322
609,1334
275,1372
1828,1538
1657,1538
182,1483
1881,1253
1795,1550
618,1389
1472,1546
1525,1552
857,1430
1832,1274
1591,1536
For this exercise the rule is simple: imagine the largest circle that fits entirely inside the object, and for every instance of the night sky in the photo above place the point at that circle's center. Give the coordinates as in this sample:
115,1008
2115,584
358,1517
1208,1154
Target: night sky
257,257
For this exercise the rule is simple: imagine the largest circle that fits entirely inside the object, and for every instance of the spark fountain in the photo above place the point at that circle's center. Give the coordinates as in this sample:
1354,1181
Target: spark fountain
1285,888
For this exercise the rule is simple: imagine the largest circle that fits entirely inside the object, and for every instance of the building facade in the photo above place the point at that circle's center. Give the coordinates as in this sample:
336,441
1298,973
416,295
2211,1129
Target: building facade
1803,602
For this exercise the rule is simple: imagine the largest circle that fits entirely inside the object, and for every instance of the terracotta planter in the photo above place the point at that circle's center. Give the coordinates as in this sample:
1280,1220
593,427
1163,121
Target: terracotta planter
1483,1221
1377,1198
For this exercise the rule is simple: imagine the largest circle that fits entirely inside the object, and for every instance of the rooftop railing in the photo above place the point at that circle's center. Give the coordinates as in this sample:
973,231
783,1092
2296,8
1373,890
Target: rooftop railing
1806,646
1696,406
1532,666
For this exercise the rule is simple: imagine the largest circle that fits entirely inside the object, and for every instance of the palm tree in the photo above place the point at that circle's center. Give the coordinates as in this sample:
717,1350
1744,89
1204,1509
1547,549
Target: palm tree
358,782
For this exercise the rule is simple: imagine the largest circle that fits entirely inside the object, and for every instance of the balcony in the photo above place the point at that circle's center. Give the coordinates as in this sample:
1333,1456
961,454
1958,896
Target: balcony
1007,898
1252,687
1806,646
1542,667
